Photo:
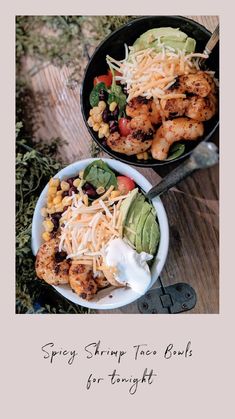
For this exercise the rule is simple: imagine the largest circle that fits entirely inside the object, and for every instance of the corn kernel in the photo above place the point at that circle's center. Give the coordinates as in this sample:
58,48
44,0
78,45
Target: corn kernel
48,225
81,173
43,212
50,199
96,111
52,190
90,121
104,127
46,236
115,194
64,186
59,207
112,106
100,133
59,193
91,111
100,190
54,182
101,105
85,199
66,201
140,156
97,118
49,205
57,200
96,127
76,182
145,155
107,133
51,210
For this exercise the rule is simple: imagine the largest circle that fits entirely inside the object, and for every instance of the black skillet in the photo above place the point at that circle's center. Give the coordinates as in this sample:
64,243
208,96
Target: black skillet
114,45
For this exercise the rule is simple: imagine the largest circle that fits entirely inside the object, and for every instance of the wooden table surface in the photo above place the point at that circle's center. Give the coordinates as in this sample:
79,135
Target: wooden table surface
192,207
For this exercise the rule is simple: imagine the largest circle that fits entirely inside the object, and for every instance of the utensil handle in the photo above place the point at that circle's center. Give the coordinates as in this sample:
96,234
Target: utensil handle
178,174
204,155
212,41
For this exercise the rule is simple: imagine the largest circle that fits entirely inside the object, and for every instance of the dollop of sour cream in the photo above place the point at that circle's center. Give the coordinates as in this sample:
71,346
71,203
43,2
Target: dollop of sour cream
132,267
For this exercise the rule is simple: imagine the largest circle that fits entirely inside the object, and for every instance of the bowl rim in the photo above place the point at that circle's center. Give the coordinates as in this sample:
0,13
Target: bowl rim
106,149
162,218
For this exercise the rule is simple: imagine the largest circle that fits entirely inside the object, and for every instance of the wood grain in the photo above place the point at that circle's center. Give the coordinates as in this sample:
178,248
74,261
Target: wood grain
192,207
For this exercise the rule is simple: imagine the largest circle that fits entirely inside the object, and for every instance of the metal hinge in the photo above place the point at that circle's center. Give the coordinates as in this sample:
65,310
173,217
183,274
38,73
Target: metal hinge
172,299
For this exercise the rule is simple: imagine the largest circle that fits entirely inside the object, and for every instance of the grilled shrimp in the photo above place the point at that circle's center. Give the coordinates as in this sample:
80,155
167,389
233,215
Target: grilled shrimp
142,106
199,83
101,281
172,131
82,281
139,139
201,108
51,264
127,145
173,107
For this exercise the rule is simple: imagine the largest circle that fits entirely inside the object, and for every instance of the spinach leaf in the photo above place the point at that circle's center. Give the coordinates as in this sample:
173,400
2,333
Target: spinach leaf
176,151
116,94
99,174
94,95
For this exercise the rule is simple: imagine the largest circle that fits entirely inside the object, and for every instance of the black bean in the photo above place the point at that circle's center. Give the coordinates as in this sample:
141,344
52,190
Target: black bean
113,129
70,180
57,215
105,116
55,222
72,189
86,186
116,112
90,190
65,193
113,126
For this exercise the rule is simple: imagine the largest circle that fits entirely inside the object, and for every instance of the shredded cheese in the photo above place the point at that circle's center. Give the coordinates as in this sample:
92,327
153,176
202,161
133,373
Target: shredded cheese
150,74
86,231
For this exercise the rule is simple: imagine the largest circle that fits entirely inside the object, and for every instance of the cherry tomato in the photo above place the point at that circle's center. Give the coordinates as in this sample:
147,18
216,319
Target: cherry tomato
104,78
123,125
117,73
125,184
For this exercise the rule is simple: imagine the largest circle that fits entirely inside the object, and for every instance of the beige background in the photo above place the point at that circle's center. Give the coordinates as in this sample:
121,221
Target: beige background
185,388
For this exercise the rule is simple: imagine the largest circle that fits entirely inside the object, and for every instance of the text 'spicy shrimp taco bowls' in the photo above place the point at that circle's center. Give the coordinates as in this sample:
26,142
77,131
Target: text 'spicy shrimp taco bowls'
96,239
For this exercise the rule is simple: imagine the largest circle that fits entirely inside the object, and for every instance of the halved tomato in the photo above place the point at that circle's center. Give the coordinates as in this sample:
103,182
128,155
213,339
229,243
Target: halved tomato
125,184
117,73
124,126
104,78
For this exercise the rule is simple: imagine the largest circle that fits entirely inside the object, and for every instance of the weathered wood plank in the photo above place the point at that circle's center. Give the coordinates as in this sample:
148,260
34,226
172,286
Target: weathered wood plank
192,206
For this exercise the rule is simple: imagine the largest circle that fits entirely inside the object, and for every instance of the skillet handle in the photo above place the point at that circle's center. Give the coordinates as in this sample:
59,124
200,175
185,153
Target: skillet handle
203,156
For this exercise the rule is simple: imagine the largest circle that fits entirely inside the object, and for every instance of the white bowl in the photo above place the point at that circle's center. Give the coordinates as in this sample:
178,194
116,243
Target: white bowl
120,296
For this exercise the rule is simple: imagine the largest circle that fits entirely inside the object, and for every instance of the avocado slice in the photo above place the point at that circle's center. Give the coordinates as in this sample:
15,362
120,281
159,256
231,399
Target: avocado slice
154,237
190,45
139,223
133,218
126,204
172,37
146,208
146,232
